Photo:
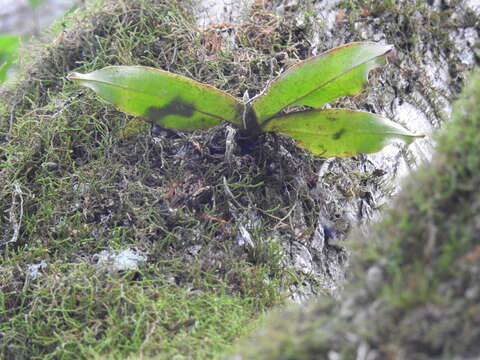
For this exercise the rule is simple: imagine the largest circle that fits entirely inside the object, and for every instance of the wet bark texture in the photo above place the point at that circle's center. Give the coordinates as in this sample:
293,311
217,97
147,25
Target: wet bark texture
411,283
434,48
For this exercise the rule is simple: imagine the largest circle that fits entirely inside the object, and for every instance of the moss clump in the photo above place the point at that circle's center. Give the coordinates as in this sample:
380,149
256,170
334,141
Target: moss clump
70,186
73,311
414,292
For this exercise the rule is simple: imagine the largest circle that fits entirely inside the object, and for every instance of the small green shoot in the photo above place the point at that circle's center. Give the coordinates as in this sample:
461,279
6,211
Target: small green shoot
176,102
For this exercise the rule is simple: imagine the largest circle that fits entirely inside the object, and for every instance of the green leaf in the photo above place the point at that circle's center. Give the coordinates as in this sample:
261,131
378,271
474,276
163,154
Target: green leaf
168,100
339,132
314,82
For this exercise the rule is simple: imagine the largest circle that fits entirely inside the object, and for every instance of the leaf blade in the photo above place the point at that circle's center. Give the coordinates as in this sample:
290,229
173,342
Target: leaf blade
349,83
168,100
340,132
313,82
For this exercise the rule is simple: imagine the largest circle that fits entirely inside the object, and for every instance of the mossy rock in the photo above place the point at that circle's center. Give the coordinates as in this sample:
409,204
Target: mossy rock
230,228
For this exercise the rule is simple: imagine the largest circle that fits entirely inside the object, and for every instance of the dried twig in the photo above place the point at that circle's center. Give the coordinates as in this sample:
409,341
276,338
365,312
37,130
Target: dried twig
16,212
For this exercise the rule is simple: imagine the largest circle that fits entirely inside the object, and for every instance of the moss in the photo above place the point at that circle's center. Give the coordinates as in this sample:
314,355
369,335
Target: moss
444,207
73,311
71,186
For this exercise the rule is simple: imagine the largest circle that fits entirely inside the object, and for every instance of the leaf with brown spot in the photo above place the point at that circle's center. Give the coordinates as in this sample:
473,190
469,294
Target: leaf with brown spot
168,100
352,132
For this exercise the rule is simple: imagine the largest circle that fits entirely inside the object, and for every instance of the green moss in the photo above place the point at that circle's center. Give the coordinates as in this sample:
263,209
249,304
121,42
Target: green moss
71,186
434,226
72,311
